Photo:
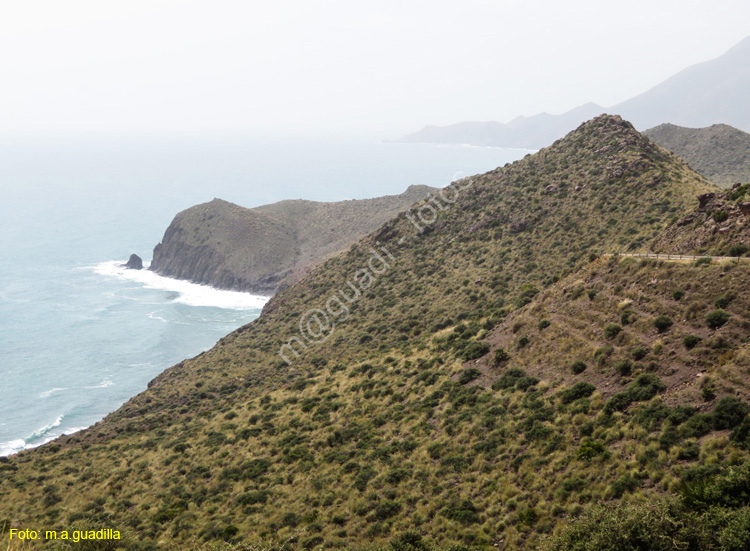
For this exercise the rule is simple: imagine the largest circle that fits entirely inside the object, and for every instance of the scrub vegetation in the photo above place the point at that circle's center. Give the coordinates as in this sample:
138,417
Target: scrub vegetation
500,386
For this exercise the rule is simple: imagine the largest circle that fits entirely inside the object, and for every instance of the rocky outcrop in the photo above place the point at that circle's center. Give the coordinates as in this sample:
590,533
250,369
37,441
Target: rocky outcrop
134,263
719,226
264,249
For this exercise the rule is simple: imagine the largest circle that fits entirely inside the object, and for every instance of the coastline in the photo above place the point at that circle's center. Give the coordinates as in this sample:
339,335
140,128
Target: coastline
179,292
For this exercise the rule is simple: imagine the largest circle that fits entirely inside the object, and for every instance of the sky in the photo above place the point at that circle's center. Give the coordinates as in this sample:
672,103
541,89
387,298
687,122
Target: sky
379,69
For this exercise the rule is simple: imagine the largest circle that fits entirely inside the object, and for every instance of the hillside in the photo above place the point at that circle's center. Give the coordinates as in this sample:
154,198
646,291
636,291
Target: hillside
719,226
399,422
701,95
264,249
720,152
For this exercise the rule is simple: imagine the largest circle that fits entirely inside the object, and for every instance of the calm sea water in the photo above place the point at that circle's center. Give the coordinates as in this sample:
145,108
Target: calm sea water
79,336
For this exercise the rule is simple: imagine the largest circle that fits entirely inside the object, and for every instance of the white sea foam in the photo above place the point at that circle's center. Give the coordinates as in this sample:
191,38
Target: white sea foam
104,384
33,440
188,293
38,433
13,446
73,430
50,392
153,316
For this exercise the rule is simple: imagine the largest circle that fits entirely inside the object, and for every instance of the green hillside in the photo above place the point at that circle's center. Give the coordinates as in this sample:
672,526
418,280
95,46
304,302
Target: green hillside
482,379
264,249
720,152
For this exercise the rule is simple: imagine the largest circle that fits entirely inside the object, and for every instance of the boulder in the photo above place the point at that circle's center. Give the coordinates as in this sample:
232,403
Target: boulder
134,263
704,199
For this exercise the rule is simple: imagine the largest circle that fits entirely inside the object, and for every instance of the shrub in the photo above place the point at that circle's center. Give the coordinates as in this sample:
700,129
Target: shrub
717,318
654,525
468,375
363,478
576,392
651,415
523,341
741,434
691,341
587,429
639,353
678,295
738,192
680,414
738,250
696,426
618,402
626,317
729,413
475,350
589,449
252,498
525,383
387,509
662,323
708,392
575,484
409,541
500,356
538,431
624,484
508,379
720,216
602,353
612,330
528,516
624,367
578,367
645,387
689,452
397,475
722,302
669,438
543,324
465,513
290,519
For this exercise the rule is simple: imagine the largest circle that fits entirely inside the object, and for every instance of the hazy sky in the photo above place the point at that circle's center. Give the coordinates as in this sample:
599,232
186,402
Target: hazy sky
328,67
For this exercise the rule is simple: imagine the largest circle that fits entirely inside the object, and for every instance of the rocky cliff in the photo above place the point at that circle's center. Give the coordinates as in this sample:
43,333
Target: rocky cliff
264,249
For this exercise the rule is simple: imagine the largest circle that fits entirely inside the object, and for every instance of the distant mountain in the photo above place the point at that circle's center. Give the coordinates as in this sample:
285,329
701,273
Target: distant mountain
720,152
707,93
522,132
701,95
264,249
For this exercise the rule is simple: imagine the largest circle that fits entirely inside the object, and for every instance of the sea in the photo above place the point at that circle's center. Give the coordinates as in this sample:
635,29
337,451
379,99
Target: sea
79,334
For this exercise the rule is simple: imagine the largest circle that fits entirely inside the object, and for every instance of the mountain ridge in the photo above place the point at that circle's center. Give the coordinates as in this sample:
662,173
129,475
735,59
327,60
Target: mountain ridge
703,94
719,152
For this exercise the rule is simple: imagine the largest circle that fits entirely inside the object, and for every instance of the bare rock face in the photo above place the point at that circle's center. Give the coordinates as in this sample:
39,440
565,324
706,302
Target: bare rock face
134,263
